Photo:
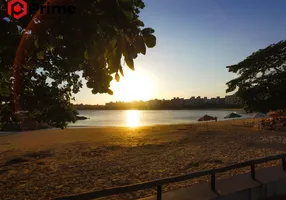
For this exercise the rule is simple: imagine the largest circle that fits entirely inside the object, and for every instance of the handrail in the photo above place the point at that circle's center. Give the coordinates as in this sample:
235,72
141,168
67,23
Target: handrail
160,182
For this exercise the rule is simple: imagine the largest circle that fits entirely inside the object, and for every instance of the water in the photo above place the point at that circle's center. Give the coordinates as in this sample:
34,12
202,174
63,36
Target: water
134,118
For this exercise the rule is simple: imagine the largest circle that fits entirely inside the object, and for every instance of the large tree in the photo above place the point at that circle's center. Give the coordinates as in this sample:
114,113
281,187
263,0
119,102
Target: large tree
44,58
261,81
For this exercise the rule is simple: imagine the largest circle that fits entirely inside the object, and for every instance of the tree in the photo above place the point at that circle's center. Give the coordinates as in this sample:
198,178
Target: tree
53,54
261,81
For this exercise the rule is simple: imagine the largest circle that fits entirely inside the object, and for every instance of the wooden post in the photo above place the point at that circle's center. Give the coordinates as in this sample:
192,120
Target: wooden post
159,192
252,171
213,181
284,164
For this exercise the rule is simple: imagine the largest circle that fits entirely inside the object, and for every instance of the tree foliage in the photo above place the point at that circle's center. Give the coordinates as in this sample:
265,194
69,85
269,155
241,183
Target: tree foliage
58,51
261,81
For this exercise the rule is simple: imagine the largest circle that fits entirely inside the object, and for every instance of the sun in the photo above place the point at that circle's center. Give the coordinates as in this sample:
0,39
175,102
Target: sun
135,85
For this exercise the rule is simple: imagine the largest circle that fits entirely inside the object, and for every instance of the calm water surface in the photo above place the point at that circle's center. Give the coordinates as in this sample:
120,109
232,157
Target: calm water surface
134,118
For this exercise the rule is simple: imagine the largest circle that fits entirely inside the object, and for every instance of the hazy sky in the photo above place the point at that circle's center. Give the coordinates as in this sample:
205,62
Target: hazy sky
196,40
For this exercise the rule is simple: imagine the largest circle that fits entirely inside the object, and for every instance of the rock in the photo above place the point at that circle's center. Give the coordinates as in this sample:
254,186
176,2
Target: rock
81,118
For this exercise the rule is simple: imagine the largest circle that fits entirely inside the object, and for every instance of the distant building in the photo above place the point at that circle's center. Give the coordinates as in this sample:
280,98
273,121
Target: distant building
154,103
217,100
189,102
222,101
213,101
231,100
177,102
205,100
165,103
109,105
199,100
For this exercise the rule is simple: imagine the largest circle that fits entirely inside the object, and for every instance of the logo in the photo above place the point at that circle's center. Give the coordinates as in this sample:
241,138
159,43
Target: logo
17,8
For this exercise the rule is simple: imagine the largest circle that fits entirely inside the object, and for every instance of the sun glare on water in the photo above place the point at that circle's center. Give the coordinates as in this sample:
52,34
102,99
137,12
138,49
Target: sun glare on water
132,118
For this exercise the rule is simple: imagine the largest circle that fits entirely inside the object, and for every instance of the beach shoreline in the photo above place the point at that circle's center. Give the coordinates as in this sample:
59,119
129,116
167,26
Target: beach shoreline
71,126
53,163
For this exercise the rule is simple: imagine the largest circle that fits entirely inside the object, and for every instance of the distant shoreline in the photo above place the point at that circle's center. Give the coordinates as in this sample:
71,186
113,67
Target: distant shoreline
71,126
165,109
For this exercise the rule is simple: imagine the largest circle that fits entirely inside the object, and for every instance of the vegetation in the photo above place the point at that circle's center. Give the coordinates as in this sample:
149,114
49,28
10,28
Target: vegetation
261,81
44,60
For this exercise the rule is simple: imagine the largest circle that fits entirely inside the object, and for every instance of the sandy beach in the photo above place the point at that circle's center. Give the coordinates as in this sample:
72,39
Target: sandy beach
52,163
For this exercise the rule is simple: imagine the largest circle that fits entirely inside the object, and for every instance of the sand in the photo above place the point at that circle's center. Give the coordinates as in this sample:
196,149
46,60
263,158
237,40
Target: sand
52,163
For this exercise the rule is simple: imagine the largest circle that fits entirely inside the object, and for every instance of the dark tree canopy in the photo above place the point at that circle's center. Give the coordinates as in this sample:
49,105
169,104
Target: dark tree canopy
261,81
55,53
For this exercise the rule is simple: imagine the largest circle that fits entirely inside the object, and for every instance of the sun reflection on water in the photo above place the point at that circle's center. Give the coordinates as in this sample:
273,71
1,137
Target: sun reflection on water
133,118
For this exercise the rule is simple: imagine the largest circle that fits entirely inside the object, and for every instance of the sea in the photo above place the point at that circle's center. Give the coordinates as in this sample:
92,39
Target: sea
135,118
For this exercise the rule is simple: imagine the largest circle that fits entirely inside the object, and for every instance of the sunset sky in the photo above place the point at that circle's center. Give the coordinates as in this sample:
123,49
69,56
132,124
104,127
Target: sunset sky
196,40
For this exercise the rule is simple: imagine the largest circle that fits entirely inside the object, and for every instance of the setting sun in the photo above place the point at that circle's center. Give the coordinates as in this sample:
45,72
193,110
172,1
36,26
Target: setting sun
135,85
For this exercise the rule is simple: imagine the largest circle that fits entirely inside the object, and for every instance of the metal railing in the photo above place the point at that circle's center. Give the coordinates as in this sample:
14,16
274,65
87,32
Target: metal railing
159,183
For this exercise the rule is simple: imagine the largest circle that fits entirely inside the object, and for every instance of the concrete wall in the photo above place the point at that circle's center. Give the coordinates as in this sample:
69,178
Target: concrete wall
270,182
264,191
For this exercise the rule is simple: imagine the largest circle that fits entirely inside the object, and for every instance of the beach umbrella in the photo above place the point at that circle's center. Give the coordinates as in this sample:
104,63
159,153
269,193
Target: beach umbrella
232,115
256,116
206,118
260,115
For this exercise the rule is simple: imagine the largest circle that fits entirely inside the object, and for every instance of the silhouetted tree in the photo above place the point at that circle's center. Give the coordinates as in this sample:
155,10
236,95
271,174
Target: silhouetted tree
56,52
261,81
